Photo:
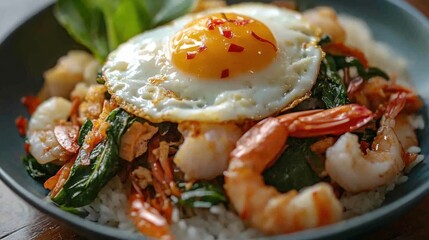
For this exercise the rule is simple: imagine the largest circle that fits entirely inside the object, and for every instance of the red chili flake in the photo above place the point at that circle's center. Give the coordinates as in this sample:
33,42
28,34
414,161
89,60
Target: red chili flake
226,33
21,124
224,73
31,103
263,40
212,23
235,48
27,147
202,48
241,22
191,55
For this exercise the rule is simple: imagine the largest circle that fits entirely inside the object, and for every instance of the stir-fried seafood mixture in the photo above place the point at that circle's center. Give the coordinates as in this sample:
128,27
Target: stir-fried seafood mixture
274,124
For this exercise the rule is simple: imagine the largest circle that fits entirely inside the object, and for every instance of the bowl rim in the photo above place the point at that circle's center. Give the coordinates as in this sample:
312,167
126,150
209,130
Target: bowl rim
87,227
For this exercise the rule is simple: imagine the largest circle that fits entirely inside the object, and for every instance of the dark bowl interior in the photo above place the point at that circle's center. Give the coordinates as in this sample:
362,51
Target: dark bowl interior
37,44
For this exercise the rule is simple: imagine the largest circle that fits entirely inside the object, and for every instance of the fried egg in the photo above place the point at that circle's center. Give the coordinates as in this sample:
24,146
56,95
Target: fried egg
245,61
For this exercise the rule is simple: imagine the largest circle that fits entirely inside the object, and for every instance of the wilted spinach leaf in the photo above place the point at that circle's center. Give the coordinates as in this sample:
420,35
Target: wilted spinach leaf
86,127
86,181
292,170
39,172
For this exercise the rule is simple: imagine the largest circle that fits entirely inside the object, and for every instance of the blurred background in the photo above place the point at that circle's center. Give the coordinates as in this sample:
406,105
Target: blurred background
13,12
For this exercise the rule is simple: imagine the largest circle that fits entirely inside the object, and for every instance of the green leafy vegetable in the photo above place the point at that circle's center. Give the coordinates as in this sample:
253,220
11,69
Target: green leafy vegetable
85,23
100,78
374,72
101,25
86,181
343,62
39,172
162,11
325,40
203,195
75,211
293,170
329,85
86,127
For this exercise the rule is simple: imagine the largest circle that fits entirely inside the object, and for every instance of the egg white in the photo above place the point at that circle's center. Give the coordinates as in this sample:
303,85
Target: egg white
142,79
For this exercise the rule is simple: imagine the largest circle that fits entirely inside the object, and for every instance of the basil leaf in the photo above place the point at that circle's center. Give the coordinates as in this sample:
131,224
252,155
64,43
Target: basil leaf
376,72
325,40
329,85
86,181
162,11
84,21
124,19
347,62
203,195
39,172
101,25
293,170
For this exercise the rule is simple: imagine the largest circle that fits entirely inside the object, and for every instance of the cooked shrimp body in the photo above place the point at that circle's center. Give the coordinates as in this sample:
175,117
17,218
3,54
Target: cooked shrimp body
206,147
49,113
44,145
355,171
262,206
45,148
405,132
326,19
76,66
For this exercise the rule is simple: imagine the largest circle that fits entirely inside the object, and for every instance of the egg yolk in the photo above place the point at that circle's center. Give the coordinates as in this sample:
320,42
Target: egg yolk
223,45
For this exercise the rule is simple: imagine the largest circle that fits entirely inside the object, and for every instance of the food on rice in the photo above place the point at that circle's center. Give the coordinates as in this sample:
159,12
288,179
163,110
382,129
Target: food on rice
233,122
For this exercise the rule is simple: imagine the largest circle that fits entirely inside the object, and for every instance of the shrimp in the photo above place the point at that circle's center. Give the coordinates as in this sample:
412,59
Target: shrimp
262,206
326,19
147,219
355,171
375,92
205,150
405,132
75,67
43,142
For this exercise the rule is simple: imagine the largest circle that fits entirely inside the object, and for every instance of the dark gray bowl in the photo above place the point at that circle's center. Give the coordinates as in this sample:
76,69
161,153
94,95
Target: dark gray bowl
39,42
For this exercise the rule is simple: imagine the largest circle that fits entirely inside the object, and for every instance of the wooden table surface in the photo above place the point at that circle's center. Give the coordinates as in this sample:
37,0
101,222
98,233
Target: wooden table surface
19,220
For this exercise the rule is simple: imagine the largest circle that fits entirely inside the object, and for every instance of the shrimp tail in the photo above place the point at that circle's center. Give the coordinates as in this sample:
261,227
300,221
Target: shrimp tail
396,105
333,121
148,219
